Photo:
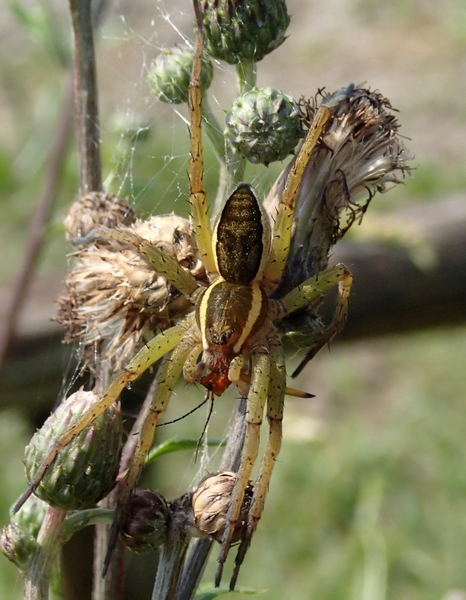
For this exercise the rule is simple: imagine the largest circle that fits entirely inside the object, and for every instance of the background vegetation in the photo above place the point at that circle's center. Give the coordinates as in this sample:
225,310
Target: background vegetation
368,501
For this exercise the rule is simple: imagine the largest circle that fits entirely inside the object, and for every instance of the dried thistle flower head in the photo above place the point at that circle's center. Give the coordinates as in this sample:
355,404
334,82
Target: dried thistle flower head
96,208
211,500
145,520
359,153
114,300
86,469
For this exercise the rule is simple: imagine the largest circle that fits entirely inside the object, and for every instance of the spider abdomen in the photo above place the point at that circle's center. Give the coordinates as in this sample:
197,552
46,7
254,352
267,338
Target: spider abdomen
241,237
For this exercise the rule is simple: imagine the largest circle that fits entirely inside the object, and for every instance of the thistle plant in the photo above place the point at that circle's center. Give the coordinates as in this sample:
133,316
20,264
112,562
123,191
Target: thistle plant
115,300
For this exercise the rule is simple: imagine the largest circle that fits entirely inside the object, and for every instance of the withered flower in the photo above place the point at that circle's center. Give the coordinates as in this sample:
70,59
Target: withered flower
211,500
96,208
145,520
114,300
358,155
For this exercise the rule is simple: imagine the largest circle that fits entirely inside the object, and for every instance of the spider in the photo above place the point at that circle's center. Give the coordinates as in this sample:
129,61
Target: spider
229,337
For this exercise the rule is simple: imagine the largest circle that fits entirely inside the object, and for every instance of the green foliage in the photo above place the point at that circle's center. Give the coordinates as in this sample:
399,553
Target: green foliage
44,24
209,592
372,505
175,445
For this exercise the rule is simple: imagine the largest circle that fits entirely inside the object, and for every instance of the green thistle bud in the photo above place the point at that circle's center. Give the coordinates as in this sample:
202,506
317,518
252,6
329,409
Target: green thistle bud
263,125
238,31
145,520
18,538
85,470
170,74
17,544
31,515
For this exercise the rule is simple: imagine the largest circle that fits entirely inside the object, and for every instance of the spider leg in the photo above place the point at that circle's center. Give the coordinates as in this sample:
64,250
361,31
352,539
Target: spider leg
275,403
284,218
167,377
254,413
154,256
197,195
167,266
310,290
151,352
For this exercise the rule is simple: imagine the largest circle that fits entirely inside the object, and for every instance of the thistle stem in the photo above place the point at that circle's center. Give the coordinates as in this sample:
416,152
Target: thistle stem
86,103
246,74
49,542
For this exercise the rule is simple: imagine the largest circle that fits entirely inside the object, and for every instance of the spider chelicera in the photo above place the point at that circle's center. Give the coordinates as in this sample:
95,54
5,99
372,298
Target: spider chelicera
229,337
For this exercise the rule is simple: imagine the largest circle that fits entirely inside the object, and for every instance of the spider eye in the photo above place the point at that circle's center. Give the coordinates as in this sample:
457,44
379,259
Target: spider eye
220,338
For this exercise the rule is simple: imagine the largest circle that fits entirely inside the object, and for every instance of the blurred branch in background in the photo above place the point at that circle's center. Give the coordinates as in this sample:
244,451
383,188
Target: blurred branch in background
20,288
417,259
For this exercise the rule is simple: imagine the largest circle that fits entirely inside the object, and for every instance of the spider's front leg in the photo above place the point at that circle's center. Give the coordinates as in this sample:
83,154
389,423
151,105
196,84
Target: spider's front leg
154,350
260,364
168,375
276,385
283,220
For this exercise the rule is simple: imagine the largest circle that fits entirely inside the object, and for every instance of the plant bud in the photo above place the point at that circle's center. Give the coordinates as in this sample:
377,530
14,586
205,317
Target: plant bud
170,74
145,521
85,470
17,544
263,125
211,501
238,31
31,515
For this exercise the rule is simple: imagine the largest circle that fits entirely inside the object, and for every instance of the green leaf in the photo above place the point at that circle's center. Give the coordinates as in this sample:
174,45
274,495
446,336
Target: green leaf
174,445
77,520
208,592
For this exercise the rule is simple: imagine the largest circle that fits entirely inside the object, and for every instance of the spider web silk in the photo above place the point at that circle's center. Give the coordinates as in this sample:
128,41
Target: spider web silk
153,173
150,169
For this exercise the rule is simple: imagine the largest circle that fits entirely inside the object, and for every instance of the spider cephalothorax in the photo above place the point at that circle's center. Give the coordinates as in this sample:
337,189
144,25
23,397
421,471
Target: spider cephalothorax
229,336
233,309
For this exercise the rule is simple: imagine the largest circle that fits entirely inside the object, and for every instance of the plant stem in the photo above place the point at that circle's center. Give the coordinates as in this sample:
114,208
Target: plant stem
49,540
199,555
246,74
86,104
39,220
173,552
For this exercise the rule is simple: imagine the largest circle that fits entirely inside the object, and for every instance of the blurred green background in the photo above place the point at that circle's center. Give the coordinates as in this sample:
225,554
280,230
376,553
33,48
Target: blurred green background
368,499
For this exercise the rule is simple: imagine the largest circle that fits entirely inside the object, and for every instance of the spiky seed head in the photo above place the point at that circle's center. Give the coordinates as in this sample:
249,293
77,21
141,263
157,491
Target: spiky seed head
170,74
211,500
359,154
93,209
145,520
263,125
238,31
113,299
85,470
